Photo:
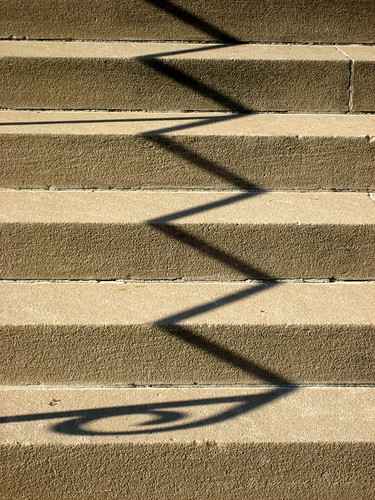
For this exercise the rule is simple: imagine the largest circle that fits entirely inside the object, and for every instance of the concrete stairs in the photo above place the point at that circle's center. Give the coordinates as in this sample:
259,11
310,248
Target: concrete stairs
188,250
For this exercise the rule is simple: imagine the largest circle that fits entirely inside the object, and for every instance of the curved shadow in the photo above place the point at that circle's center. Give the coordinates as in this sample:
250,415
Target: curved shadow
164,413
245,404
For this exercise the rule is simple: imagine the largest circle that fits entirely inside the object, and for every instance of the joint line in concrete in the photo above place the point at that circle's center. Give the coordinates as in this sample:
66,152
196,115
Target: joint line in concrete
350,85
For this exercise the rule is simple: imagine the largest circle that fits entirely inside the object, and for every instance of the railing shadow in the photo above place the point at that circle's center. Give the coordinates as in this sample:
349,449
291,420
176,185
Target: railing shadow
170,416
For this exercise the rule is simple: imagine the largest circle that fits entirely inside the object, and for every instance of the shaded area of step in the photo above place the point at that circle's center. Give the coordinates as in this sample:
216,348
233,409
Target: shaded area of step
252,20
204,235
223,333
158,150
173,76
187,443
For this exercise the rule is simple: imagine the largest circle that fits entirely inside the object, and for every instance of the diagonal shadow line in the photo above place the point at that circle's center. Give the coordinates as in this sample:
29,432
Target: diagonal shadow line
195,21
170,145
198,123
192,83
202,208
211,251
195,121
215,304
168,324
201,48
80,418
114,120
220,352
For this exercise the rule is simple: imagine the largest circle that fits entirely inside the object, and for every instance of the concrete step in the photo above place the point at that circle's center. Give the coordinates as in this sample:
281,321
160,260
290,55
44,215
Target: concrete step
175,76
252,20
185,333
187,443
77,149
204,235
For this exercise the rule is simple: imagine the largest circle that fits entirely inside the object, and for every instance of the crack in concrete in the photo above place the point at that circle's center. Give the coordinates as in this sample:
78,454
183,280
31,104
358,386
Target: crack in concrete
350,85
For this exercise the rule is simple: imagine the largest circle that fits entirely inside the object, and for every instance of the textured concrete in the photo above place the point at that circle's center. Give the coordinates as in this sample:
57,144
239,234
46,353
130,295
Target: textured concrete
199,444
173,76
277,441
138,234
109,333
363,76
252,20
207,150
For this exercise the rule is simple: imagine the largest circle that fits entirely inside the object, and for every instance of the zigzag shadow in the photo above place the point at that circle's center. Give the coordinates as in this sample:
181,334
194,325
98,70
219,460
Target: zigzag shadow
170,413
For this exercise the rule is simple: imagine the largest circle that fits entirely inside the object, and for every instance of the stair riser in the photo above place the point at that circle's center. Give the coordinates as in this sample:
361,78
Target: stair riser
215,354
175,84
205,251
199,471
256,20
125,161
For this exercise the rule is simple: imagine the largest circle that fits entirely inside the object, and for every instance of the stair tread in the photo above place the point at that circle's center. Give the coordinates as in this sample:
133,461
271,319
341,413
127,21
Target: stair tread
189,123
259,415
183,207
119,303
359,52
131,50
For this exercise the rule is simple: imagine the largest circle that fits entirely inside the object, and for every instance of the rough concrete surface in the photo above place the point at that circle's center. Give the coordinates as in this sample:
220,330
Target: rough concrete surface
206,150
171,76
363,76
187,443
96,333
139,234
261,389
251,20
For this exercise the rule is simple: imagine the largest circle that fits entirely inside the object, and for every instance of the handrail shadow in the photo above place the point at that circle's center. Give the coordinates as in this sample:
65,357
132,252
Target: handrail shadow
170,413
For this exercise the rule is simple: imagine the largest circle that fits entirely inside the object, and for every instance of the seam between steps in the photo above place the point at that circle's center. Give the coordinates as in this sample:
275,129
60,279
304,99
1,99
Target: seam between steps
183,386
208,190
182,42
193,282
187,111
